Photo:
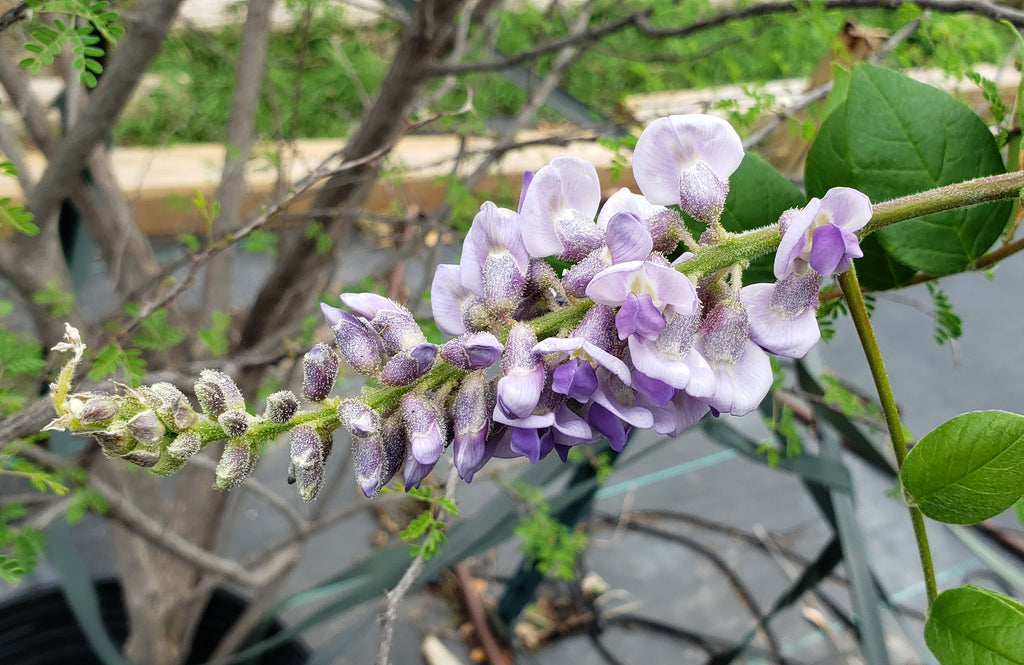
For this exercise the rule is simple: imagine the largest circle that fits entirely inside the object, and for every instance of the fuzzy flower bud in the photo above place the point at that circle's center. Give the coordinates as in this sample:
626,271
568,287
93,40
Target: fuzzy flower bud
171,405
307,461
319,370
234,422
281,406
184,446
358,418
217,393
368,460
360,345
410,365
235,464
116,440
142,457
472,351
519,389
473,407
147,428
97,410
424,427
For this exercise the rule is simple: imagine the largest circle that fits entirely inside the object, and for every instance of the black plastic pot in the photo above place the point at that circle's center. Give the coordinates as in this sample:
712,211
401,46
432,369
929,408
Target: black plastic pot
37,628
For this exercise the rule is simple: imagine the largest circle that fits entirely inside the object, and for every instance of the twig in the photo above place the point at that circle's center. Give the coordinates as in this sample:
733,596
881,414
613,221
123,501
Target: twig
478,616
13,15
394,598
638,20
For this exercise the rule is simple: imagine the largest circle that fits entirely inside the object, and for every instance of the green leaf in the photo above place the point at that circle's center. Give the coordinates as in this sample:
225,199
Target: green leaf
969,625
215,338
969,468
894,136
758,194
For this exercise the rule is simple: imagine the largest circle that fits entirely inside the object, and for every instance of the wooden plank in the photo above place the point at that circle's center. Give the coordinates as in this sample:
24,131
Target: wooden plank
159,182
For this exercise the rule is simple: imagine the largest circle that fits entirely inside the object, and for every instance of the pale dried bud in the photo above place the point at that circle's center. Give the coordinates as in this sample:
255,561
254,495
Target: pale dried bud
147,428
281,406
319,370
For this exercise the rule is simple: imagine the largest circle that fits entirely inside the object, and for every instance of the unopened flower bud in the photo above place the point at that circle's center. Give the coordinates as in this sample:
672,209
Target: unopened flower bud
359,344
183,447
142,457
424,427
147,428
235,464
472,351
281,406
234,422
97,410
171,405
519,389
307,461
472,420
116,440
378,457
358,418
408,366
217,393
368,461
319,370
414,473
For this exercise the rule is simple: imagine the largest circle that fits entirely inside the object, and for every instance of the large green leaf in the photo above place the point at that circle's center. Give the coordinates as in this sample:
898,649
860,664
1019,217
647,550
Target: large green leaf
969,468
894,136
758,194
969,625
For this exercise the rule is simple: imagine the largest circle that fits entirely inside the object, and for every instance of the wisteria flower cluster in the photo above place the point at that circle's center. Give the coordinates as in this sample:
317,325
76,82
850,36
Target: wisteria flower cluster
571,322
622,338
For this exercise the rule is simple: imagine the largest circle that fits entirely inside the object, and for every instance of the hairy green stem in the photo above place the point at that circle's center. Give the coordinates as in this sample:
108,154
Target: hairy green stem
958,195
859,313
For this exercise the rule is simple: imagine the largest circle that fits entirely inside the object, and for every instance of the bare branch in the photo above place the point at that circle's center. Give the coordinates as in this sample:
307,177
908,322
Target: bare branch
252,55
13,15
287,290
393,599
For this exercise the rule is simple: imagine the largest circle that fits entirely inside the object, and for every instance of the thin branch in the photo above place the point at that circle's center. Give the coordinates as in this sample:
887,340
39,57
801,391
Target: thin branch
13,15
639,21
393,599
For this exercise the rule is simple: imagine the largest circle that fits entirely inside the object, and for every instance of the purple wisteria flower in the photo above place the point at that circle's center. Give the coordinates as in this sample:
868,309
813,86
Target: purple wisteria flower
558,209
743,373
686,160
662,223
821,235
626,239
783,316
641,290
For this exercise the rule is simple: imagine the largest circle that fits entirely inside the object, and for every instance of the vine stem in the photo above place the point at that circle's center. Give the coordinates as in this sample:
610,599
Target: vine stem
859,313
